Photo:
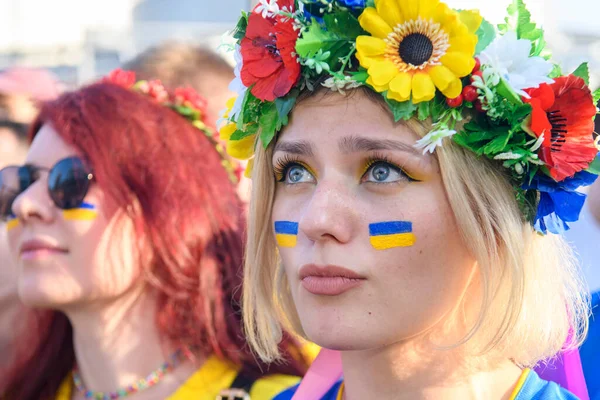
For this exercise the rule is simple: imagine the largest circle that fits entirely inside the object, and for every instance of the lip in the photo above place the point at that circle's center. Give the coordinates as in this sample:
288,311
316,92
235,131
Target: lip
39,248
329,280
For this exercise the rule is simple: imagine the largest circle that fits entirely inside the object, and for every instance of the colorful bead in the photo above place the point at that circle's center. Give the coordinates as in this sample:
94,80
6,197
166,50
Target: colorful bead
152,379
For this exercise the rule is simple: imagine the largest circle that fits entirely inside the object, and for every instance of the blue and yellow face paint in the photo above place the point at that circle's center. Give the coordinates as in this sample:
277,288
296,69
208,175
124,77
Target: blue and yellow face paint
286,233
85,212
387,235
12,222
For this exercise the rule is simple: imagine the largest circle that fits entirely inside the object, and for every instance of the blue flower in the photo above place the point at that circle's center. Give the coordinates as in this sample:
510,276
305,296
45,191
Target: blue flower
560,202
316,8
353,3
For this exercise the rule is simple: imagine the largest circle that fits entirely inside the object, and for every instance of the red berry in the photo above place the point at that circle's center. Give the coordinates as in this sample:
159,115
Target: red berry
456,102
479,106
469,93
476,73
477,66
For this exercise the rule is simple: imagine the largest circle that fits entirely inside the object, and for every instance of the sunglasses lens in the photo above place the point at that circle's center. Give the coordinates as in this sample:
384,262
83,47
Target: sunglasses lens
13,181
68,183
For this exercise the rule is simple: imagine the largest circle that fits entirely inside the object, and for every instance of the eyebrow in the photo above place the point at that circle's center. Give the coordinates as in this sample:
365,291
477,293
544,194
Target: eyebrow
355,144
300,147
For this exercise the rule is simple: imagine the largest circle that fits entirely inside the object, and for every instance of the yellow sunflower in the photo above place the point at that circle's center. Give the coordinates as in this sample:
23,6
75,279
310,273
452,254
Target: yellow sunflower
416,46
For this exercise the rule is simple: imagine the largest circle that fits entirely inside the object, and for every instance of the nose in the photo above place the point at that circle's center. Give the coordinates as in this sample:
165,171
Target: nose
34,204
330,215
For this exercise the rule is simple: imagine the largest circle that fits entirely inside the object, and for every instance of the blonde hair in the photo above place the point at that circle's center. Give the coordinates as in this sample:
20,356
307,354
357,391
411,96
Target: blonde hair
533,303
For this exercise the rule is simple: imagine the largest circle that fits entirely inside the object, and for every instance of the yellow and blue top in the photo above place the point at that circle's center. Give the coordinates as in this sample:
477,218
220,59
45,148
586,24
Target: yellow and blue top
206,383
529,387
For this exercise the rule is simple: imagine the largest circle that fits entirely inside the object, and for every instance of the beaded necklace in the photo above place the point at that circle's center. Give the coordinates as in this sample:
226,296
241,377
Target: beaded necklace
152,379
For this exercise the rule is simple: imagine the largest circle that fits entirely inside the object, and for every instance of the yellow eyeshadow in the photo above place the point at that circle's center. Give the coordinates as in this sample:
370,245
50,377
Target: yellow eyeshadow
370,163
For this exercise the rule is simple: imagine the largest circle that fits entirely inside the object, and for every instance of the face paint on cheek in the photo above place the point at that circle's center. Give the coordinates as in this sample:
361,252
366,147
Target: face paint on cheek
388,235
85,212
12,223
286,233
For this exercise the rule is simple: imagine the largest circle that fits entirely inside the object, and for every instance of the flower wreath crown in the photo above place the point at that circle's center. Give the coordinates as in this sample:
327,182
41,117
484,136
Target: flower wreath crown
428,62
183,100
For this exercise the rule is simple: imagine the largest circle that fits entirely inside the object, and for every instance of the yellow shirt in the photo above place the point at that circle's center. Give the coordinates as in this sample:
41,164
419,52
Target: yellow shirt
206,383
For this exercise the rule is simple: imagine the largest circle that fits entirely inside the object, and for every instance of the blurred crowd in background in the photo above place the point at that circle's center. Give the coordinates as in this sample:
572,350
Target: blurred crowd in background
46,47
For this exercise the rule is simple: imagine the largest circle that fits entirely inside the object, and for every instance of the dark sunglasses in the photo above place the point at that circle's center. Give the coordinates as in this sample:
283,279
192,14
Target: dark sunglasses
68,183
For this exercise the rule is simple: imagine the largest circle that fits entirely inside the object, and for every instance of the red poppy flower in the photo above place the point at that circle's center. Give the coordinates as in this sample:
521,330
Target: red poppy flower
186,96
121,78
269,61
563,112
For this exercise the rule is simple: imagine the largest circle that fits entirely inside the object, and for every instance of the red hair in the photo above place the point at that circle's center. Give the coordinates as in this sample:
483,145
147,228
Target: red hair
167,176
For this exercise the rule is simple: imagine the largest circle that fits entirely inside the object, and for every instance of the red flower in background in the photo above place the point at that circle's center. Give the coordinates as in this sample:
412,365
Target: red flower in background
269,62
563,112
187,96
154,89
121,78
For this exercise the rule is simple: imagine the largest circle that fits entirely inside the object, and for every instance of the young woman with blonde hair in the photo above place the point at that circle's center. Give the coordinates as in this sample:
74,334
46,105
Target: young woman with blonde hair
408,163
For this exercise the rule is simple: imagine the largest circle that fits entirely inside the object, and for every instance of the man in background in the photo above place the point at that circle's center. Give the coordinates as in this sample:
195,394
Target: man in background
21,91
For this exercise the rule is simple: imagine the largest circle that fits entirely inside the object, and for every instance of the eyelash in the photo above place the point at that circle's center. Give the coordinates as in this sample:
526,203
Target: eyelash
283,165
381,158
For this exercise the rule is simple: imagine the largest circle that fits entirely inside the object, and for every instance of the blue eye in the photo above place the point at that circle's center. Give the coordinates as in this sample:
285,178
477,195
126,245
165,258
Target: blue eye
298,174
292,172
384,172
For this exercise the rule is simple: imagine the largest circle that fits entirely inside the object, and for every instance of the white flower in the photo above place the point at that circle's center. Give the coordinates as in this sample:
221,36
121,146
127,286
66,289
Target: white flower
508,156
508,58
433,139
237,86
339,85
268,8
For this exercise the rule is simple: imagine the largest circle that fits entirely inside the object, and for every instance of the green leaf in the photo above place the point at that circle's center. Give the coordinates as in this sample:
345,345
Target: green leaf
268,121
344,25
497,145
240,134
596,95
437,107
285,104
401,110
594,167
556,71
361,76
583,71
505,91
315,39
519,20
486,35
424,110
240,29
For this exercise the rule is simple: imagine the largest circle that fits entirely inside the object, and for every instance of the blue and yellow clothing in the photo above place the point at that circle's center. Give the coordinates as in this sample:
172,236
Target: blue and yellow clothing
206,383
528,387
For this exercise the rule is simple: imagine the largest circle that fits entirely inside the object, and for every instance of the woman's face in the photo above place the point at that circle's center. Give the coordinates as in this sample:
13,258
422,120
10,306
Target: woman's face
377,258
68,258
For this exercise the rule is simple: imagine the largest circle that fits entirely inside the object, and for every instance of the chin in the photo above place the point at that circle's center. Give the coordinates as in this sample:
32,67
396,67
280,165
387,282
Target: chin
45,293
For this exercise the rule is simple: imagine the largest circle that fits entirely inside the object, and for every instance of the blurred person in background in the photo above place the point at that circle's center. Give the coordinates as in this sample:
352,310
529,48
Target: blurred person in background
178,64
21,90
128,237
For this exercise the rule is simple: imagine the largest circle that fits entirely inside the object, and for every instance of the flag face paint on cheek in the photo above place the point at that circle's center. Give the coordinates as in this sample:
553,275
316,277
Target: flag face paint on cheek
85,212
388,235
286,233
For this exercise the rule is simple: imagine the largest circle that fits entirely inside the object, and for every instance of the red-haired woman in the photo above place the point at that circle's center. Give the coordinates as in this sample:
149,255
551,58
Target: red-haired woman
128,236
